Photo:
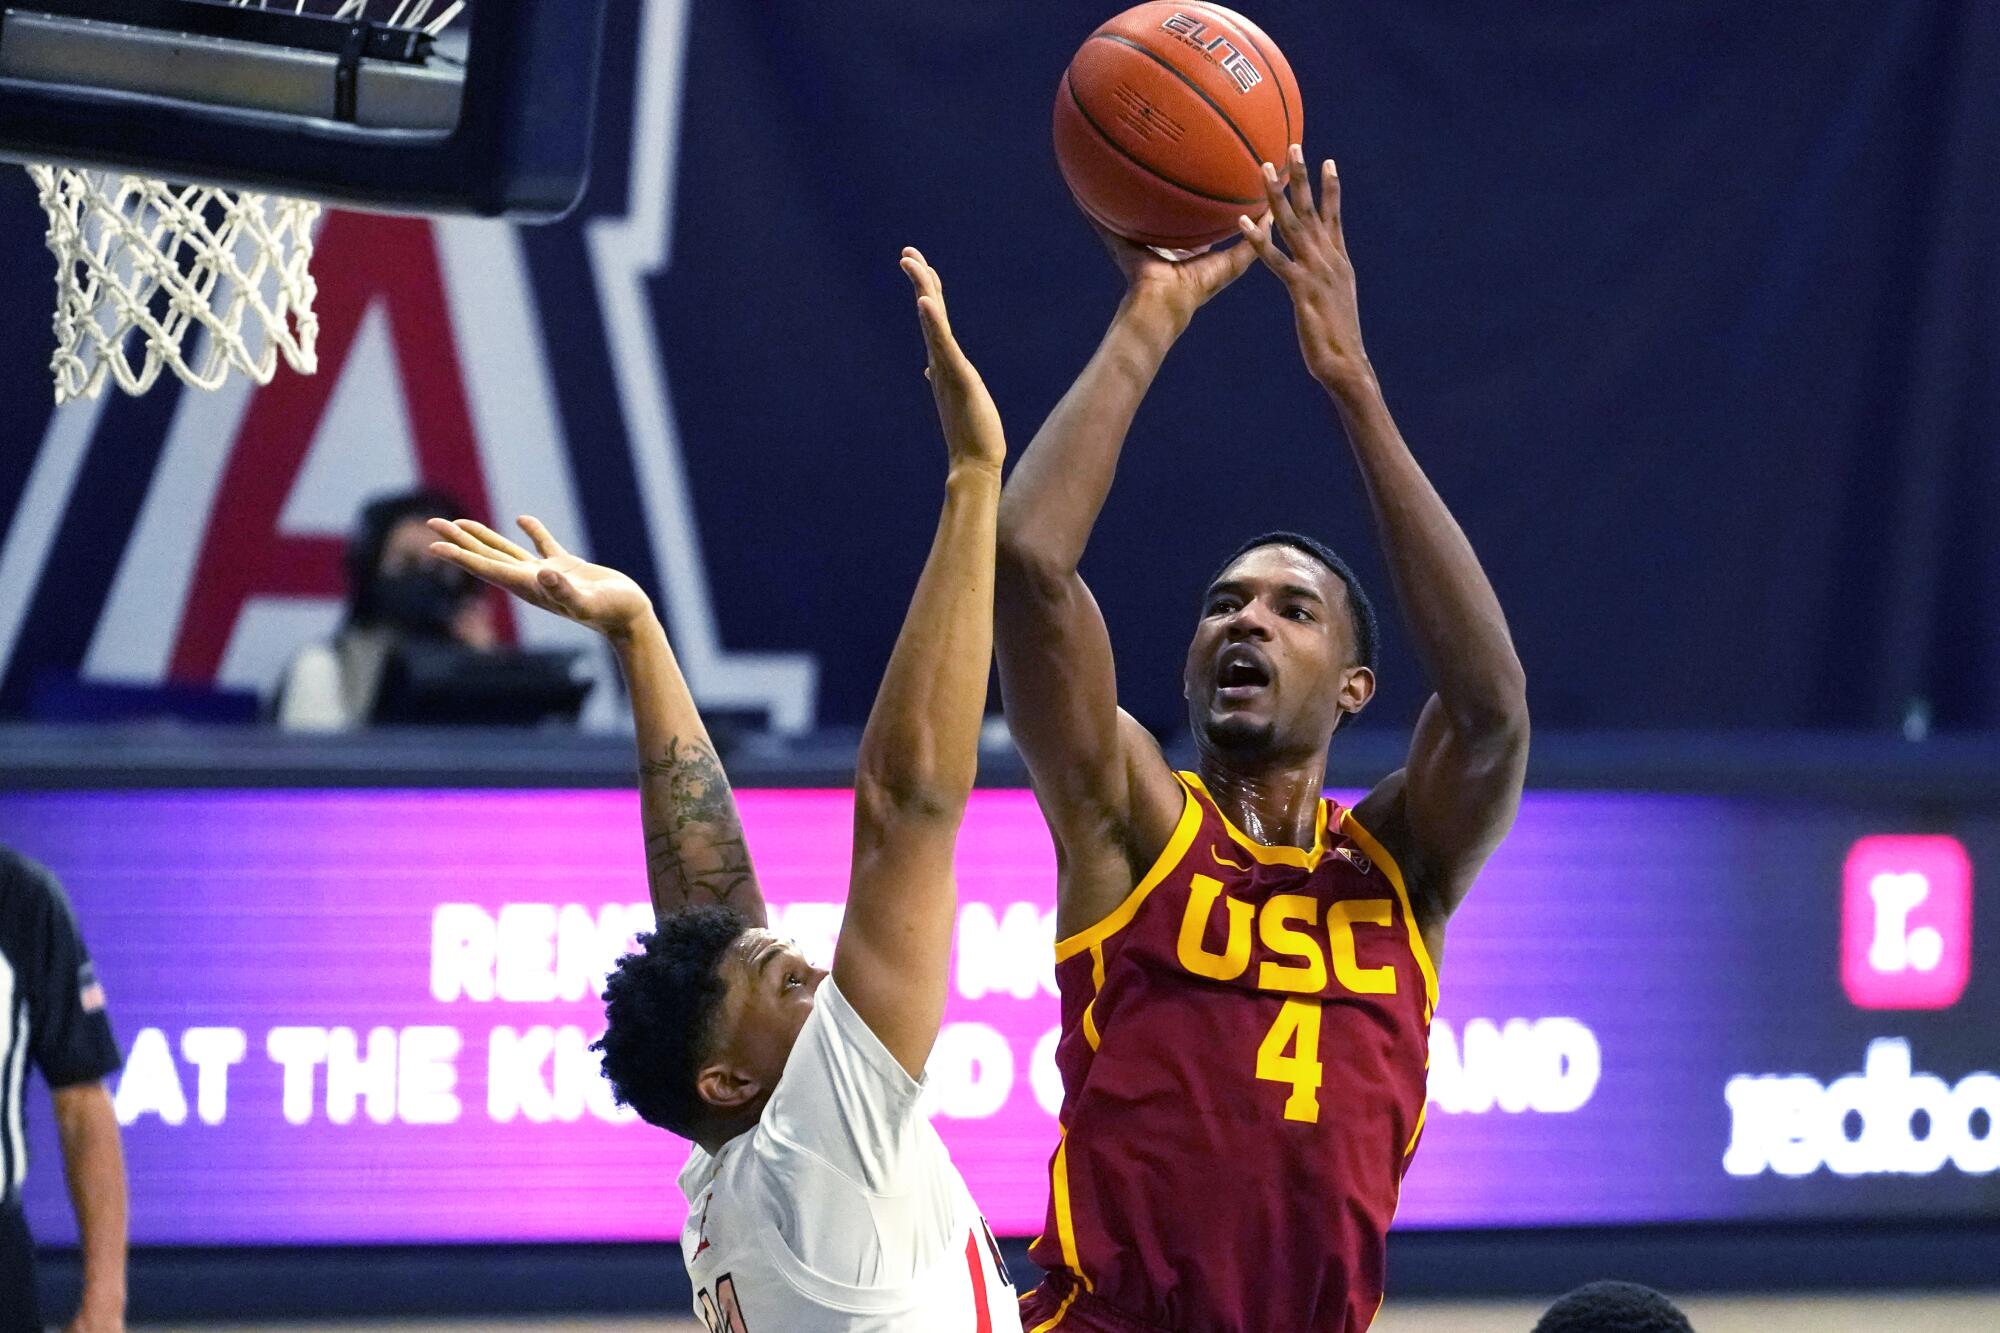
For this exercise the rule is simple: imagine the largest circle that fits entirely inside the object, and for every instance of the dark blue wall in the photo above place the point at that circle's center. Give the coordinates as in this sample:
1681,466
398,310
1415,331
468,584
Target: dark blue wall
1691,311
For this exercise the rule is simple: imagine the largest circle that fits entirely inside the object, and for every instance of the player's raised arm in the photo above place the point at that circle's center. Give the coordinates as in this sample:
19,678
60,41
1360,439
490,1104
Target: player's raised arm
1454,802
1097,773
695,853
920,751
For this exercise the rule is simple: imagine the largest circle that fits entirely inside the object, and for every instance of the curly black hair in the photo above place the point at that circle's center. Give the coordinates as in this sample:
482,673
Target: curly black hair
1361,611
659,1008
1614,1307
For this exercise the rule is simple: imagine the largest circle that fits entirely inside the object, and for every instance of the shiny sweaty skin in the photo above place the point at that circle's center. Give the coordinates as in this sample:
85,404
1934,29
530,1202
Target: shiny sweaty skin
1266,1008
1273,671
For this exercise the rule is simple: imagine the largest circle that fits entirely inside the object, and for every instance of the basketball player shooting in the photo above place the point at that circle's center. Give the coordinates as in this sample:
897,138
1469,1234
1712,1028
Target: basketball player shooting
819,1197
1247,969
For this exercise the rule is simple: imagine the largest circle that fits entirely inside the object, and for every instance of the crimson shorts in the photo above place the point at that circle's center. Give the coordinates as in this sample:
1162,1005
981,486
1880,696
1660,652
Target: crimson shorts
1059,1305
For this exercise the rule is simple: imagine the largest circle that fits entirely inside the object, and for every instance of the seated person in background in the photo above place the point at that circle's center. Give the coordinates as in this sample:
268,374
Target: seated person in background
1614,1307
396,590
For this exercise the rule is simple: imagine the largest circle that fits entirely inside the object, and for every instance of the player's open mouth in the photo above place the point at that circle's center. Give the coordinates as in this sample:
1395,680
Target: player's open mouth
1240,673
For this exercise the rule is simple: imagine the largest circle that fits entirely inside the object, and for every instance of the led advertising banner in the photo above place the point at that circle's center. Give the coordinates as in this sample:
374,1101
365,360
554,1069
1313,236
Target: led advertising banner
364,1016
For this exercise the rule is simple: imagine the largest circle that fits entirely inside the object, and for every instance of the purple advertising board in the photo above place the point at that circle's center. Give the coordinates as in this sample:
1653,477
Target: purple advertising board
364,1016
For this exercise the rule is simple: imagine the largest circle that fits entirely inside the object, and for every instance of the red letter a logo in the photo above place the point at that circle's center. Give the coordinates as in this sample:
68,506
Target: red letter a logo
359,259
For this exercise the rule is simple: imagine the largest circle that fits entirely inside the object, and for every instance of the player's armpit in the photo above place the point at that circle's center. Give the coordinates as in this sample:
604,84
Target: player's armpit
1443,814
1058,682
1104,847
1106,790
892,960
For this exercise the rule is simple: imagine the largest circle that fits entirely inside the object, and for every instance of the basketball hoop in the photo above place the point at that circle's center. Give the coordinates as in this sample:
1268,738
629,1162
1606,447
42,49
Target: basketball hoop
183,149
144,266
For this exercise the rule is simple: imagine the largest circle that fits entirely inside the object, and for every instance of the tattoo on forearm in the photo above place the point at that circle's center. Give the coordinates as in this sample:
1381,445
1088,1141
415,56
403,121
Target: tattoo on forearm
695,853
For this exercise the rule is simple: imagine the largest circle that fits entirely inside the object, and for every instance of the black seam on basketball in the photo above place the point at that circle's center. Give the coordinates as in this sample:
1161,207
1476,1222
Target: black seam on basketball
1152,238
1213,105
1156,174
1284,103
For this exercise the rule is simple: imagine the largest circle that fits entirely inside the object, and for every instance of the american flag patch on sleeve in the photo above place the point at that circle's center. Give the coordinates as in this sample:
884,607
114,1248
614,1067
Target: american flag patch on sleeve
91,994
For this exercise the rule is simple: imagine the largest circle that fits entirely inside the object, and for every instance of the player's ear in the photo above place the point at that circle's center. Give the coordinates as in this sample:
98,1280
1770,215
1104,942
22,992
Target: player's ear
725,1087
1356,689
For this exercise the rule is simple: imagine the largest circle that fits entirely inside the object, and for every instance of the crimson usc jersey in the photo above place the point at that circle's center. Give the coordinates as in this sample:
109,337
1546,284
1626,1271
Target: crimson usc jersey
1243,1051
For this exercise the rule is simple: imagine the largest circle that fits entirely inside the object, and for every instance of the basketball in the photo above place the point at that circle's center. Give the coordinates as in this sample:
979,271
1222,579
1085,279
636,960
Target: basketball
1165,118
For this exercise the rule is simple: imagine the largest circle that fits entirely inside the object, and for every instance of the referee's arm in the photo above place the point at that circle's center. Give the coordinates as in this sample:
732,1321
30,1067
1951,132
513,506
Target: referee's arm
73,1046
95,1166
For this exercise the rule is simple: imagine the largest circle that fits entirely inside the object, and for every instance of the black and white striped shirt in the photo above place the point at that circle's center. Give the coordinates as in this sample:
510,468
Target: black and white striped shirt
51,1006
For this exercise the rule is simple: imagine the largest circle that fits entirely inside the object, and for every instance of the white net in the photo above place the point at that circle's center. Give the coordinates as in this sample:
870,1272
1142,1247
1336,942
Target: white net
194,279
142,266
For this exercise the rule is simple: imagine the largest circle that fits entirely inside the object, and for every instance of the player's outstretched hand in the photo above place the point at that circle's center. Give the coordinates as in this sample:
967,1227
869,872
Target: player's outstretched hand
1178,287
1313,265
972,431
550,578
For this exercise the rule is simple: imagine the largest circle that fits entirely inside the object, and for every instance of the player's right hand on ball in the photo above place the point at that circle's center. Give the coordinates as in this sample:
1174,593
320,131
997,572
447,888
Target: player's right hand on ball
550,577
1175,288
972,430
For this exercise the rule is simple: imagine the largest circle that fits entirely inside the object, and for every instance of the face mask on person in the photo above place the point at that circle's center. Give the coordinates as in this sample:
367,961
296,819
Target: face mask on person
422,601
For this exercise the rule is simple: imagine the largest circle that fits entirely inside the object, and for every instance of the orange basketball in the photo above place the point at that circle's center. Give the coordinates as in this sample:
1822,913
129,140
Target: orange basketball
1165,118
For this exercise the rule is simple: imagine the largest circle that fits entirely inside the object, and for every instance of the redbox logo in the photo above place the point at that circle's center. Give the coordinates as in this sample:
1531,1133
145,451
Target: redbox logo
1906,922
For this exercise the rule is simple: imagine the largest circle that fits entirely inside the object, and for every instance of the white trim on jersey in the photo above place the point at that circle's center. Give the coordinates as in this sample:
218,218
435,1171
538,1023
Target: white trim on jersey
13,1084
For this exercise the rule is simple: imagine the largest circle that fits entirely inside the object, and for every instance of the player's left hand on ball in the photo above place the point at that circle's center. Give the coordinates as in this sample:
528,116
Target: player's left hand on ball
549,577
1181,287
1312,262
972,430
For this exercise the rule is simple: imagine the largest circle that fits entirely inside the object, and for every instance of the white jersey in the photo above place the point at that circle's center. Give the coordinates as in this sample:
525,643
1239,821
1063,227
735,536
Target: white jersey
841,1212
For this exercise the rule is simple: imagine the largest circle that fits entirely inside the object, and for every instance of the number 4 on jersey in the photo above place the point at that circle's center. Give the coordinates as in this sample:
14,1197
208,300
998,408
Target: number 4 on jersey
1297,1029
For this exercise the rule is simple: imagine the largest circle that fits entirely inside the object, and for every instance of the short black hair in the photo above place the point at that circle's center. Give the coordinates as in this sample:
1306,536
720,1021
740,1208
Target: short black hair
1614,1307
1361,611
659,1008
372,526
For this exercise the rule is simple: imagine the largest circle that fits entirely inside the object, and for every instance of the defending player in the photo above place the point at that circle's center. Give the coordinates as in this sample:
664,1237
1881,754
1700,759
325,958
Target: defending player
1246,968
819,1197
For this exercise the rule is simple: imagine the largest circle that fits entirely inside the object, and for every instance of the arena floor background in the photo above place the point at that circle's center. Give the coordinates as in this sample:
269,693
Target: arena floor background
1912,1312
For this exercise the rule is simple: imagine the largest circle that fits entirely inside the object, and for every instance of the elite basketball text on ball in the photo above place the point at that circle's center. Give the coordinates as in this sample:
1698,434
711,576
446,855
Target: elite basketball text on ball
1164,120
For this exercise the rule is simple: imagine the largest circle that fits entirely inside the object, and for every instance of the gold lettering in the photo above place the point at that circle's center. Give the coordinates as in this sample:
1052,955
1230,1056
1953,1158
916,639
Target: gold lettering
1297,1026
1235,956
1340,922
1304,978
